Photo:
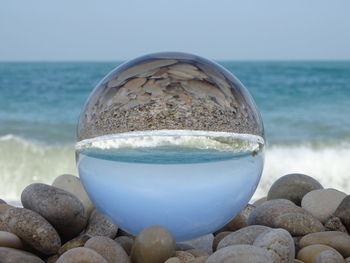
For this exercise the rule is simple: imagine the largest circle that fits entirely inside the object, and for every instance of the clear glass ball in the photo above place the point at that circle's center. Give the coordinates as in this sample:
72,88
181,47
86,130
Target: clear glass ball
170,139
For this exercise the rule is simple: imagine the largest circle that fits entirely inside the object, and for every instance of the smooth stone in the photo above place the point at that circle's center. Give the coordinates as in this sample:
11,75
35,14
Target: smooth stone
240,221
78,241
12,255
81,255
218,238
329,256
204,243
293,187
72,184
154,244
246,235
108,248
343,212
33,229
61,208
322,203
334,224
126,243
308,254
173,260
278,243
240,254
184,256
260,201
337,240
8,239
100,225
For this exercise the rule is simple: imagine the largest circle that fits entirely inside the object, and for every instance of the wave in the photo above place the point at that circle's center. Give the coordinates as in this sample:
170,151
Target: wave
23,162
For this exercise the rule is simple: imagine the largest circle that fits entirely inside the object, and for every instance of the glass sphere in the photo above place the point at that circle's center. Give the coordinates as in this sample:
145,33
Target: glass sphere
170,139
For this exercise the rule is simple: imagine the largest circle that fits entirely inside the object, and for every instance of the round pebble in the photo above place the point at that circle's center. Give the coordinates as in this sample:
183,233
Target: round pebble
101,225
240,254
154,244
8,239
337,240
309,254
73,243
11,255
61,208
329,256
246,235
322,203
109,249
81,255
33,229
72,184
279,244
343,212
293,187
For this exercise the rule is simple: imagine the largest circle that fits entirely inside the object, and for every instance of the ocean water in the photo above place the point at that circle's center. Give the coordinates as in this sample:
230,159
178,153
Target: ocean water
171,178
304,105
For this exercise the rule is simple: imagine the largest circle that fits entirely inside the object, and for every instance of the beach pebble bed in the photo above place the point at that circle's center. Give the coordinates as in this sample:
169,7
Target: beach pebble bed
297,221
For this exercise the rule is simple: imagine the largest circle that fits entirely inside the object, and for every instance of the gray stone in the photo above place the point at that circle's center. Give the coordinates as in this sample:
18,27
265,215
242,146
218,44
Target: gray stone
240,254
329,256
334,224
11,255
33,229
279,244
293,187
8,239
245,235
61,208
81,255
109,249
154,244
100,225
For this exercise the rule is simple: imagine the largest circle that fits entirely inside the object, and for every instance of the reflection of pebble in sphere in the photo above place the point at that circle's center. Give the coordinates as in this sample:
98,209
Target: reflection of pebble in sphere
169,91
173,140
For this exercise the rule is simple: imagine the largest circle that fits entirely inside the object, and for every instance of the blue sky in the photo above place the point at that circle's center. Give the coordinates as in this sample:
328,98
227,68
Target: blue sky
86,30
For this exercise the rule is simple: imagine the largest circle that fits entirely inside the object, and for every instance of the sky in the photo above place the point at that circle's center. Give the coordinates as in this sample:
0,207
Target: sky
106,30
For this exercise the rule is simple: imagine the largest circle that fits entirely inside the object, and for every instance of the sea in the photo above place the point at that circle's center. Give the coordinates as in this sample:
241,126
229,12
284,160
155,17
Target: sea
305,106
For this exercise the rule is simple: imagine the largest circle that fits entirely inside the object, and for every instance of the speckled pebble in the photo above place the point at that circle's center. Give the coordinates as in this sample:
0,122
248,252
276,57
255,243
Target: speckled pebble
126,243
246,235
72,184
8,239
279,244
61,208
184,256
108,248
11,255
101,225
293,187
78,241
81,255
240,254
33,229
334,224
322,203
309,254
154,244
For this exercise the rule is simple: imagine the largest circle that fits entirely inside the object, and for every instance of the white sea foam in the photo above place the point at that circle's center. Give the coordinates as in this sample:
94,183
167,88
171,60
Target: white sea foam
23,162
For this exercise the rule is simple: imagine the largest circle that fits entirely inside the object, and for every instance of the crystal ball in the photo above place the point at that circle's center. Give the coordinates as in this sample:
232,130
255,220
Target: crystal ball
170,139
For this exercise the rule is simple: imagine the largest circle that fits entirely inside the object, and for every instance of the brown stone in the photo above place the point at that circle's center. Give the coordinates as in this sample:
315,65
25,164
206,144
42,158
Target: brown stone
78,241
309,254
81,255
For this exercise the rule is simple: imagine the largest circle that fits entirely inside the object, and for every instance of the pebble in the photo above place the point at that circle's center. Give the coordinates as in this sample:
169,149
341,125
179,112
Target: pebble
72,184
101,225
184,256
309,254
334,224
33,229
293,187
8,239
329,198
279,244
337,240
246,235
204,243
329,256
343,212
73,243
126,243
11,255
240,254
61,208
173,260
218,238
81,255
154,244
109,249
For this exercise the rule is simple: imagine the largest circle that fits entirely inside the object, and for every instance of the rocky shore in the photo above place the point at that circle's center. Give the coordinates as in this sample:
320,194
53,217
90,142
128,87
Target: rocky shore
298,221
